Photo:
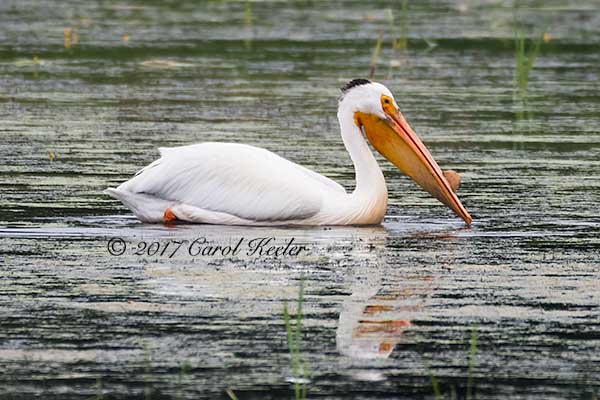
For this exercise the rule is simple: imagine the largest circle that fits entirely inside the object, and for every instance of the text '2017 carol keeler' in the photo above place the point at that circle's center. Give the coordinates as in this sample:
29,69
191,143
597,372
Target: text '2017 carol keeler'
202,247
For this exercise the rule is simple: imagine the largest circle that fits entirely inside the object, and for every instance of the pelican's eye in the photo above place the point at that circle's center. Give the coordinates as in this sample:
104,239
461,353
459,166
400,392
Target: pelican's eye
387,105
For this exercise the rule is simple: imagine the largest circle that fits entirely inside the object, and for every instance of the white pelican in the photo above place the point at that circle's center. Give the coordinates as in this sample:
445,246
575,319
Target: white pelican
238,184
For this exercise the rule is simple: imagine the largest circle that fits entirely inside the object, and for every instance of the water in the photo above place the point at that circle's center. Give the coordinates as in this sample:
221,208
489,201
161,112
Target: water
385,306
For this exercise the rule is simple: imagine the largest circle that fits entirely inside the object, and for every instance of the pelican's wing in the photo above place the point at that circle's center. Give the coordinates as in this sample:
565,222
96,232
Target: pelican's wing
236,179
323,179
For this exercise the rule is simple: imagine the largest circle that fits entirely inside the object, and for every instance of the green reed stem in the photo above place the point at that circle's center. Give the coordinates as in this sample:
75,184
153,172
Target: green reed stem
375,56
294,344
472,352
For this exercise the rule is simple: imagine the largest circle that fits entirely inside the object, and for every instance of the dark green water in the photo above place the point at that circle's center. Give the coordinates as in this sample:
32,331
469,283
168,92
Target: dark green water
384,306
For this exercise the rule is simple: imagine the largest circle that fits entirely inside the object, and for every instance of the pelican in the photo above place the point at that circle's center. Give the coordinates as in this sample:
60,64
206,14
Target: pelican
239,184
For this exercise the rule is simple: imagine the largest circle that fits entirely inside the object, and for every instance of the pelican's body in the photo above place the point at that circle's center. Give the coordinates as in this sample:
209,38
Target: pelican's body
237,184
229,183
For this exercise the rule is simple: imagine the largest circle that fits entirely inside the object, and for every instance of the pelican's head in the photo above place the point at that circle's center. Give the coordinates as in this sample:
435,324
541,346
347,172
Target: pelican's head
376,112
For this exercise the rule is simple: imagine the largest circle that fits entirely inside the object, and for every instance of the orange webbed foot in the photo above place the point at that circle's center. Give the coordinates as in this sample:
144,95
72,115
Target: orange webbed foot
169,216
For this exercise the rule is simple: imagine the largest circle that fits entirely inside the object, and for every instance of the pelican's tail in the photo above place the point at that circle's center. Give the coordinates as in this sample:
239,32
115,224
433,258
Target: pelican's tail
146,207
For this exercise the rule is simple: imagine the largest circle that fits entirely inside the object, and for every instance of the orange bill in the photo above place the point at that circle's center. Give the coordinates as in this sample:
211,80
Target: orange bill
396,141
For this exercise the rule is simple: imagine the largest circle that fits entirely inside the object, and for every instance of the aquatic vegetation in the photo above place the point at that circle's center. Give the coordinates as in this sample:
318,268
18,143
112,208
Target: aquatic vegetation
70,38
399,34
375,56
430,44
401,41
26,62
99,395
437,393
248,13
231,395
525,55
82,22
248,22
299,365
147,371
183,371
472,352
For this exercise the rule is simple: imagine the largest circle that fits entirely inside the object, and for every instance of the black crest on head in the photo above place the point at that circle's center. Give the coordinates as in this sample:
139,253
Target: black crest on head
354,83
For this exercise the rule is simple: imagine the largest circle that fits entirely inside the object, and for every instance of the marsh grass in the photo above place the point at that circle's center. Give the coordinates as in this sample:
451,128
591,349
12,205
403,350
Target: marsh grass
248,22
300,368
231,395
375,56
401,41
437,393
99,395
299,365
147,371
248,13
430,44
526,53
472,352
70,38
183,372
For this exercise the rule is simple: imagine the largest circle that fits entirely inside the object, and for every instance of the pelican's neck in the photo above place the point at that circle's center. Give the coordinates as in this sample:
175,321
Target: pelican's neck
370,182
